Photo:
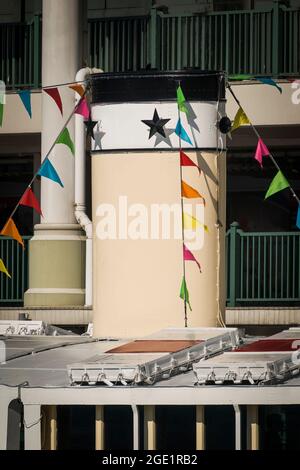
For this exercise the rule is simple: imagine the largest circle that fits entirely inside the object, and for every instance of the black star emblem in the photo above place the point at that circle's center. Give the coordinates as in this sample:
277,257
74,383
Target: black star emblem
90,127
156,125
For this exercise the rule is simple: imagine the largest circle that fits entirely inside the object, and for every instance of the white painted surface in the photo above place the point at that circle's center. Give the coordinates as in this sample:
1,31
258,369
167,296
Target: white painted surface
61,40
121,126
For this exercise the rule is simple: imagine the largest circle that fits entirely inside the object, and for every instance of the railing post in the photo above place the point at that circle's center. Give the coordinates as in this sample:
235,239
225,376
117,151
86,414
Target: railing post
233,263
153,38
36,51
276,40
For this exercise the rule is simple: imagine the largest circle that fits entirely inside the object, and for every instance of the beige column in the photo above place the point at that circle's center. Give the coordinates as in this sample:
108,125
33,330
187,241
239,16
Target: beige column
252,427
149,428
49,427
56,261
200,427
137,281
99,431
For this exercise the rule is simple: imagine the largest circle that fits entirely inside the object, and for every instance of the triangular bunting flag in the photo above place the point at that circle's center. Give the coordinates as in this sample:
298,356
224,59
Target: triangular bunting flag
298,217
184,293
189,192
3,269
261,151
28,199
1,113
182,133
181,100
186,161
10,230
188,256
55,95
25,96
278,184
78,88
47,170
240,119
65,139
83,109
190,222
269,81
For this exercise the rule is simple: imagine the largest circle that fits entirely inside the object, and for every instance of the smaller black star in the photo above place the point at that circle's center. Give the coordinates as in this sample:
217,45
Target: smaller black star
156,125
90,127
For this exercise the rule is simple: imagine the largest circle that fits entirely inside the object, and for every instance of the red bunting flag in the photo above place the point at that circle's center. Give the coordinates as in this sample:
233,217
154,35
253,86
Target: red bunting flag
188,256
186,161
55,95
29,200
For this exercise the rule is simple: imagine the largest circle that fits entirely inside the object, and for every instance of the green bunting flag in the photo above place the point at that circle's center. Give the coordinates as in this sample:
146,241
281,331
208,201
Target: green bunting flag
65,138
184,293
278,184
181,100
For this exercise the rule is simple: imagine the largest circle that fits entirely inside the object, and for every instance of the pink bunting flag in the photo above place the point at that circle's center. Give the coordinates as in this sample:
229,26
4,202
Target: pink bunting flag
188,256
261,151
55,95
83,109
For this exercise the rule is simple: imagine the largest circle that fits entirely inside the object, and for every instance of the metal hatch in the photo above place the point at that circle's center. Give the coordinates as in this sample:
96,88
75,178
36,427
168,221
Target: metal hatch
151,365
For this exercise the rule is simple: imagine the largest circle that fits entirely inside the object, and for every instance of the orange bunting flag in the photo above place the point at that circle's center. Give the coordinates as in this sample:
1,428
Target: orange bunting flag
189,192
78,88
10,230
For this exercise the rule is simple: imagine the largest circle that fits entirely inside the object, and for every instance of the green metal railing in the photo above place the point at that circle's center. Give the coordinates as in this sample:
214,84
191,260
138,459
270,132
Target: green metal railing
263,268
263,42
16,260
20,53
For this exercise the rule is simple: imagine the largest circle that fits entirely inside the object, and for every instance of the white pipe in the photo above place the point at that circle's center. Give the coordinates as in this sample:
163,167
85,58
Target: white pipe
237,411
80,200
135,414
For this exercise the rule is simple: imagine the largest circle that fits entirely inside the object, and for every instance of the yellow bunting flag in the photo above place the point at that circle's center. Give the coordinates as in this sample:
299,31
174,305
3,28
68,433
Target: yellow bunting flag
78,88
240,119
189,192
10,230
190,222
3,269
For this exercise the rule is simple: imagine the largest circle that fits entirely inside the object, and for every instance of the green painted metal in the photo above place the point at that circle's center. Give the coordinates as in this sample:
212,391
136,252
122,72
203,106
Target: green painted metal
263,268
257,42
16,260
20,51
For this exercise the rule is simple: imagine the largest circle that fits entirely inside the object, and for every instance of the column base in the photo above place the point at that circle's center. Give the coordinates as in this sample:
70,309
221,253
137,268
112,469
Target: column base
56,267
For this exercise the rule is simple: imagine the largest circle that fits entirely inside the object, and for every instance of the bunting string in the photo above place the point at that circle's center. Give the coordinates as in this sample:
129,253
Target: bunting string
46,169
259,140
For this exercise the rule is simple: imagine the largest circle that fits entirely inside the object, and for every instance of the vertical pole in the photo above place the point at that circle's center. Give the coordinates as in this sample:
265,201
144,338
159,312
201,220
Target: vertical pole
32,427
99,431
200,427
153,38
135,414
149,427
49,427
233,259
3,424
36,52
252,427
237,410
275,38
